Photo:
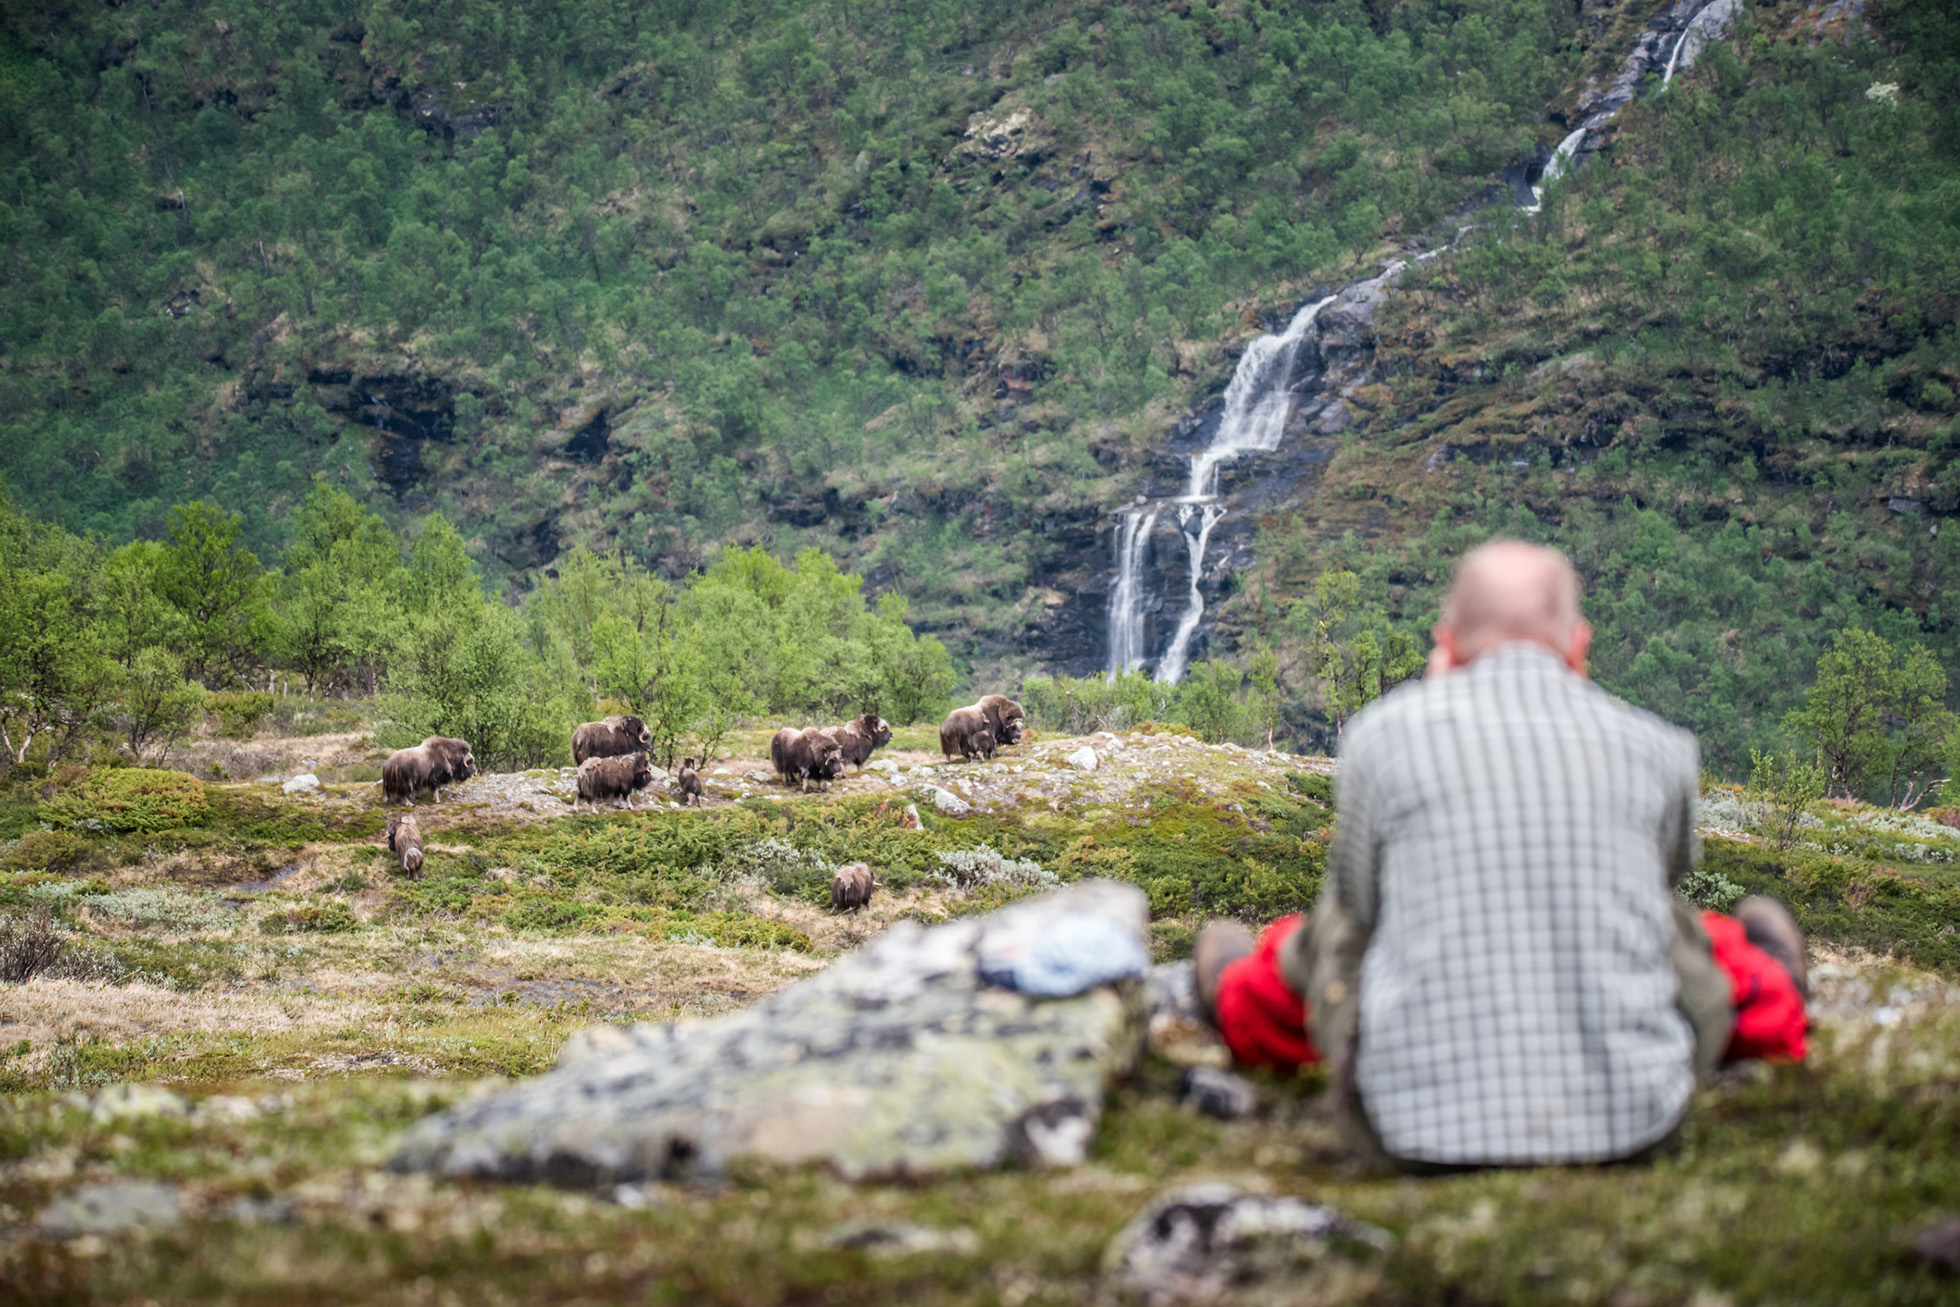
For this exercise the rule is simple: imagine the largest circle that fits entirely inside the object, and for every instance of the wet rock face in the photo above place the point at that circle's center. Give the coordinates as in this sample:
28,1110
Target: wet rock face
897,1061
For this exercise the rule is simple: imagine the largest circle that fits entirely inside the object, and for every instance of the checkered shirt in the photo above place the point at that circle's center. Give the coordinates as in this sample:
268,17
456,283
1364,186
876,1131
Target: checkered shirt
1508,836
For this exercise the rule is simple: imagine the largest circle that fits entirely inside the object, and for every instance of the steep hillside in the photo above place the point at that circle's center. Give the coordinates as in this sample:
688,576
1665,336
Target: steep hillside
929,285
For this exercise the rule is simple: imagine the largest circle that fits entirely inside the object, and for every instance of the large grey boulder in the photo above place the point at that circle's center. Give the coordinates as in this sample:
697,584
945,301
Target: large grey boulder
900,1060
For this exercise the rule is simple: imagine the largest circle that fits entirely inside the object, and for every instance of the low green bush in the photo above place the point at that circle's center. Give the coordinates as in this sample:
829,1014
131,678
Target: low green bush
129,799
49,850
309,918
240,712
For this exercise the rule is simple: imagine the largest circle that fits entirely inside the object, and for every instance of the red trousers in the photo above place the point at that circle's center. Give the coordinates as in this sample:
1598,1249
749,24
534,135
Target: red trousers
1264,1022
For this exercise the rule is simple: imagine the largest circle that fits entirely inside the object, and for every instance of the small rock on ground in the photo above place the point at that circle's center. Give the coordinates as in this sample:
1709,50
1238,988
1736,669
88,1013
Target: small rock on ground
113,1208
1219,1093
1199,1242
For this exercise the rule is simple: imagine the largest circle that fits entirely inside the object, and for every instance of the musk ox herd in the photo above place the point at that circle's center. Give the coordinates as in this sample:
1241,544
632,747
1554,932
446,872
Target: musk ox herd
614,760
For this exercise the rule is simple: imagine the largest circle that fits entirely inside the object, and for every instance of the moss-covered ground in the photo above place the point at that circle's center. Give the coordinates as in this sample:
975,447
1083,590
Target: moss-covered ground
259,955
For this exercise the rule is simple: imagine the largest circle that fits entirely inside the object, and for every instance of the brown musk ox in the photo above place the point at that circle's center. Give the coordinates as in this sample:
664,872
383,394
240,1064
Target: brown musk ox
1005,718
614,737
851,888
430,765
957,733
982,744
405,841
690,783
806,755
612,778
860,737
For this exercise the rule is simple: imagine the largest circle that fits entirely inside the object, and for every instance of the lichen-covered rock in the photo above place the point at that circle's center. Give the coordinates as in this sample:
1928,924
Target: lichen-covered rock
114,1207
1197,1243
1083,759
950,803
897,1061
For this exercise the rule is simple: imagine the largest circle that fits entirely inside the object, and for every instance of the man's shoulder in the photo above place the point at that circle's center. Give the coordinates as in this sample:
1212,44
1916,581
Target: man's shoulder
1498,689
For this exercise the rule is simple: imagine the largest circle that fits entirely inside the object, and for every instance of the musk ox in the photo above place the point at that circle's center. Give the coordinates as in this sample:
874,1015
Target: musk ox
430,765
690,782
806,755
1004,717
982,744
860,737
612,778
852,887
615,737
405,840
958,733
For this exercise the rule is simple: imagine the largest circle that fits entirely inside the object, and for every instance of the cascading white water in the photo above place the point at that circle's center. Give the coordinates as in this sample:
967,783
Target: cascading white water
1126,600
1178,654
1256,402
1258,399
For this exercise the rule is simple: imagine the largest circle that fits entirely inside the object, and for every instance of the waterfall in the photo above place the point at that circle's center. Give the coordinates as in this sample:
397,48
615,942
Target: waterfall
1258,399
1126,600
1178,654
1256,402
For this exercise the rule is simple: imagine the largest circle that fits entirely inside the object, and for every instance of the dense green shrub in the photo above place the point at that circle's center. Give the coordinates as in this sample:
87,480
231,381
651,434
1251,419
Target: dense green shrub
130,799
56,850
240,712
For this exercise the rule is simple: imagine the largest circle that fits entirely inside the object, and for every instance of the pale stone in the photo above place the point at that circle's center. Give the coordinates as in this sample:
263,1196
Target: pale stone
950,803
305,782
1083,759
1202,1242
897,1061
112,1208
128,1101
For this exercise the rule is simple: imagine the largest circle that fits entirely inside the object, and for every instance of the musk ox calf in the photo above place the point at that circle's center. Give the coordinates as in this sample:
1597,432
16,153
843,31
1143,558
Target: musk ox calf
612,778
860,737
690,783
983,745
614,737
959,733
807,755
430,765
852,888
405,839
1004,717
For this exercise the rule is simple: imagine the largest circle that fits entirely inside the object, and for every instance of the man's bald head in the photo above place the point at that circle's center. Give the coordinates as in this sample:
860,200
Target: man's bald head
1508,590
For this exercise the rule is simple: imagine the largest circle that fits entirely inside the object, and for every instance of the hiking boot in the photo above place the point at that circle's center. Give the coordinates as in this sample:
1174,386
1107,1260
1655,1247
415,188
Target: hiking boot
1769,926
1220,944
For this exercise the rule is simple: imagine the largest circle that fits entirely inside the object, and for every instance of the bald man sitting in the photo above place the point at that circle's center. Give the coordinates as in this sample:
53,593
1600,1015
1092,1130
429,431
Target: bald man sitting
1497,968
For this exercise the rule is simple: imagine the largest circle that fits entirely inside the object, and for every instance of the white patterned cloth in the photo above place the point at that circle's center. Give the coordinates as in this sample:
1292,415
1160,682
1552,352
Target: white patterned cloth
1508,837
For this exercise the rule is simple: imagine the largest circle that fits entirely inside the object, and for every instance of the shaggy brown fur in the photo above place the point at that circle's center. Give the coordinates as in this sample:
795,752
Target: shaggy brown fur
1005,718
405,838
612,778
982,744
852,888
614,737
806,755
690,782
957,732
430,765
860,737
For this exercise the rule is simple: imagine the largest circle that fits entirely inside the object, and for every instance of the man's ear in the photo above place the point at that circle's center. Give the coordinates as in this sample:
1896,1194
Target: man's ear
1578,646
1442,652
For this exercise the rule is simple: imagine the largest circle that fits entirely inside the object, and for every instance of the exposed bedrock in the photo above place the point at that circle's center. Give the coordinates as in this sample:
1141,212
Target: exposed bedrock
900,1060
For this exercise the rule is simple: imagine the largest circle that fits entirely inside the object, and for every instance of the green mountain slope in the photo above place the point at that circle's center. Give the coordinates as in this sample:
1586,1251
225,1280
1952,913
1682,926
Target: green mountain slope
925,284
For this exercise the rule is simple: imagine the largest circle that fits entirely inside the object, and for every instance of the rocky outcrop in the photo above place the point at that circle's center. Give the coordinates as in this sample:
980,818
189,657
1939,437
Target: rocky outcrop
900,1060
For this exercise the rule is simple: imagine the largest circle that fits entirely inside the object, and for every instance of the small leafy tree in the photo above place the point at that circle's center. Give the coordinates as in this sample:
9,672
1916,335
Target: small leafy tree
1787,785
1208,700
158,706
218,587
1353,652
1876,719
